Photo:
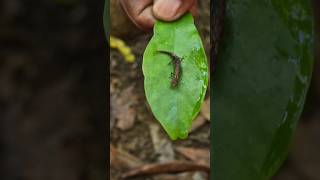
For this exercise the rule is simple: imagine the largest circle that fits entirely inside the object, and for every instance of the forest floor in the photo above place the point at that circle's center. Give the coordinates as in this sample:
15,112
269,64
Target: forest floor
137,138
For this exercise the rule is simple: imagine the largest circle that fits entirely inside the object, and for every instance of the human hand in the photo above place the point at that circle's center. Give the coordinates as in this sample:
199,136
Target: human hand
144,13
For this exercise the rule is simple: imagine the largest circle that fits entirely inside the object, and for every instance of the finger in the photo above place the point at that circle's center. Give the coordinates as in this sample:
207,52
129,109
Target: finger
169,10
194,9
140,12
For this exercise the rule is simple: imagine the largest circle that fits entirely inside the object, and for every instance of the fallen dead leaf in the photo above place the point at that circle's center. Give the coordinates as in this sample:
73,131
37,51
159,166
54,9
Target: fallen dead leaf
162,145
199,176
197,123
120,158
198,155
180,176
125,112
205,109
160,168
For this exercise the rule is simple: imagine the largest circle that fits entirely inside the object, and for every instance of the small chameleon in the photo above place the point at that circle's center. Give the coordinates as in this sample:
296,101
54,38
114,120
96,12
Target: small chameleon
176,61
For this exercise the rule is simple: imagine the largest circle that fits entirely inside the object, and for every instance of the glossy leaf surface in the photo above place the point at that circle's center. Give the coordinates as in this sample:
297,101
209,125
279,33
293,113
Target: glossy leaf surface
260,83
175,108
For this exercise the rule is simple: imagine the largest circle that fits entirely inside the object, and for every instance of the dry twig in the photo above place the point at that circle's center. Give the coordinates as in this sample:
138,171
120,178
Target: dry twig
172,167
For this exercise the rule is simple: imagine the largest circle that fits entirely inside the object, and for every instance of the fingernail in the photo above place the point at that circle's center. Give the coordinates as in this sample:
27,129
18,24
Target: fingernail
166,9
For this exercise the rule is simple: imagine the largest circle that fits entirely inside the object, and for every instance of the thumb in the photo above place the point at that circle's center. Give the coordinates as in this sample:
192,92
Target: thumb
169,10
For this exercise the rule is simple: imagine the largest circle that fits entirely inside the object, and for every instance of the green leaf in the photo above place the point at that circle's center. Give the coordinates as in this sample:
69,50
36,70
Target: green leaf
262,76
175,108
